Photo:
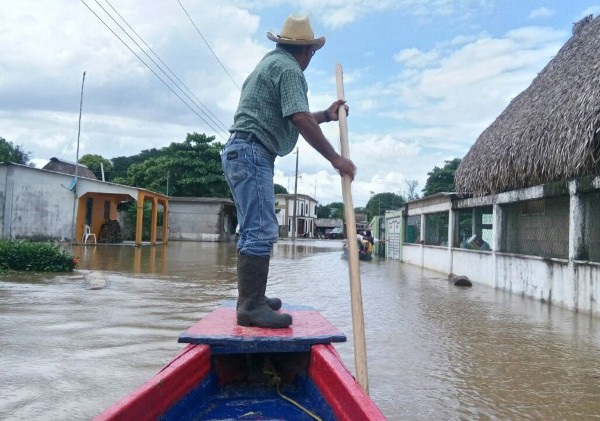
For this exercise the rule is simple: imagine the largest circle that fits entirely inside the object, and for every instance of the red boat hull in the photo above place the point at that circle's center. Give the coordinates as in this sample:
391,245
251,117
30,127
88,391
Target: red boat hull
203,371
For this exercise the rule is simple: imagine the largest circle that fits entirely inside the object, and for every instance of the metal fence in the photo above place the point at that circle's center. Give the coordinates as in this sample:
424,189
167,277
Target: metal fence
537,227
474,228
436,229
412,234
590,247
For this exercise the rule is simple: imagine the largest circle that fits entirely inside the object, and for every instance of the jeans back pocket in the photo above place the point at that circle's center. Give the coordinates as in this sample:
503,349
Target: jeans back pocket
234,162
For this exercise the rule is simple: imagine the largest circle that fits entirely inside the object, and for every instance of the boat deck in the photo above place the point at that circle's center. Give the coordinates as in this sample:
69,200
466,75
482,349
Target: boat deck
220,330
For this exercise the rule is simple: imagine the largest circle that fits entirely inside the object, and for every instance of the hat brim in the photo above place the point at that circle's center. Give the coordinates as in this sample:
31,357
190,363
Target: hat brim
317,42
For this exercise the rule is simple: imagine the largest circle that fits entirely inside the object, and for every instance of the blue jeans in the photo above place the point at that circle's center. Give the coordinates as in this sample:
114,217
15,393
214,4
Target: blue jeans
249,170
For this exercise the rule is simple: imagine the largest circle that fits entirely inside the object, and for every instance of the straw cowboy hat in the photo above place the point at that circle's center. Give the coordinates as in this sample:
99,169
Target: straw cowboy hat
297,31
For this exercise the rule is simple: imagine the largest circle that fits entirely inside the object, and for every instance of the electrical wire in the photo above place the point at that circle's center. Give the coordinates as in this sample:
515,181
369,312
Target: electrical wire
156,64
209,47
217,131
212,116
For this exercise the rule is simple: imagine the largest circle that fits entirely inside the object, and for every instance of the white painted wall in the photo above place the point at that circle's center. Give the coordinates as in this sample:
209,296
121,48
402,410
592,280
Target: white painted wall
196,219
478,266
36,206
412,254
588,287
305,209
571,284
3,170
436,258
547,280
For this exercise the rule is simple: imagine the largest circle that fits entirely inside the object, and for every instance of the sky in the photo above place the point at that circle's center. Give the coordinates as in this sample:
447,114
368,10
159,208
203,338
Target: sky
422,78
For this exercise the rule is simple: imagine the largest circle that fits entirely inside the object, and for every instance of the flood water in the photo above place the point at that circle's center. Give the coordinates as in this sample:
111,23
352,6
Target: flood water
435,351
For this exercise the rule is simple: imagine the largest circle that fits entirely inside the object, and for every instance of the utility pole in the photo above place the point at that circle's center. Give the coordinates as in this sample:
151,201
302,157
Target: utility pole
295,200
73,227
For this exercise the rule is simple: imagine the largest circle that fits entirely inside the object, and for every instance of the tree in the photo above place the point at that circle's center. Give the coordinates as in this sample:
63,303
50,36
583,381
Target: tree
360,209
121,164
12,153
333,210
381,202
279,189
97,164
411,190
190,169
441,179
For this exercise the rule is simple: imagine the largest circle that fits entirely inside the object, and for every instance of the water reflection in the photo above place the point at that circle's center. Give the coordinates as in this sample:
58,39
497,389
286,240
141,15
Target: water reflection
175,257
435,351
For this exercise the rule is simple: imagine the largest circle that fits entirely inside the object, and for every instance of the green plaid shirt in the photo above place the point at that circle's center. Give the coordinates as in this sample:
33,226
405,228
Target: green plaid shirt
274,91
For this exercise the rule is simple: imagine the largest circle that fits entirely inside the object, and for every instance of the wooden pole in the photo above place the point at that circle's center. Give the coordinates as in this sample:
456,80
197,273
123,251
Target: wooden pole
358,324
295,217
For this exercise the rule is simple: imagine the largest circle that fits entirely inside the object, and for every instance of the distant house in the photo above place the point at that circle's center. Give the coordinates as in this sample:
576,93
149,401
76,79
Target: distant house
66,167
201,219
52,205
326,226
304,215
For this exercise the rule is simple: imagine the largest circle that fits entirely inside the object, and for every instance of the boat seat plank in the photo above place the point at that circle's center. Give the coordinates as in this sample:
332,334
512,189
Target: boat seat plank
220,330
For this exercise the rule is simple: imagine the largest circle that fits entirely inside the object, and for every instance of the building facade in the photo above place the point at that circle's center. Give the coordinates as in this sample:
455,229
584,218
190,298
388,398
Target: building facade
296,215
201,219
44,205
540,242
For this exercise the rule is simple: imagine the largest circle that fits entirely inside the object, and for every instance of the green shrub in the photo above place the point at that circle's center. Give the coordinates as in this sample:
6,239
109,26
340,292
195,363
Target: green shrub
36,257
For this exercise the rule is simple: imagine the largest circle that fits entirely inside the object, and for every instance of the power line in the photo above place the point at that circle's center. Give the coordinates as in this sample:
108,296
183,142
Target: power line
149,68
218,122
206,42
156,64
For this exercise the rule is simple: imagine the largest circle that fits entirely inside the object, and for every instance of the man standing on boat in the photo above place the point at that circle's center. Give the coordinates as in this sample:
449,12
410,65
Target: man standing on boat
272,112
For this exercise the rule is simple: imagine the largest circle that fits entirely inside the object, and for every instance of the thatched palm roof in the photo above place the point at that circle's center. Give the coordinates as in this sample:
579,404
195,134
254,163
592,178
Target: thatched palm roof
67,167
547,133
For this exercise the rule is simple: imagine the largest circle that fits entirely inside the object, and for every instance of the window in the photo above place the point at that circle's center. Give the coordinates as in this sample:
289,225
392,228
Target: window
89,206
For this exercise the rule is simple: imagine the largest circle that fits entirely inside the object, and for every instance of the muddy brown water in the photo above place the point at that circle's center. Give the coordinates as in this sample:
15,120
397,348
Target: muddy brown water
434,351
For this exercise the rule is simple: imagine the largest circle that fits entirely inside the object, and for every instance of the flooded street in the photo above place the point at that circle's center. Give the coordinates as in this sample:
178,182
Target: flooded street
435,351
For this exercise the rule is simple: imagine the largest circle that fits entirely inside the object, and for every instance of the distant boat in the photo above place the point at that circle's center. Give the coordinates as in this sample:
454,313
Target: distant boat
233,372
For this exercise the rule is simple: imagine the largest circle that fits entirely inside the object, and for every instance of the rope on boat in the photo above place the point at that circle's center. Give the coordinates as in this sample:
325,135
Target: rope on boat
276,381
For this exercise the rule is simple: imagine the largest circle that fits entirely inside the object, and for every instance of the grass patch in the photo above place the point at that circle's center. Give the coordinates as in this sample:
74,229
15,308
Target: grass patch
35,257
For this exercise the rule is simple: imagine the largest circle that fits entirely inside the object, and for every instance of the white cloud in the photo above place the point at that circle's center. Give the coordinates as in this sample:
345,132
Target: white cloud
457,95
542,12
412,57
45,53
411,108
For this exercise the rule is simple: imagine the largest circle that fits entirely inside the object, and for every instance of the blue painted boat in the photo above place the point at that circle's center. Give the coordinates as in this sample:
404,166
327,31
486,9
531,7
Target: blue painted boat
232,372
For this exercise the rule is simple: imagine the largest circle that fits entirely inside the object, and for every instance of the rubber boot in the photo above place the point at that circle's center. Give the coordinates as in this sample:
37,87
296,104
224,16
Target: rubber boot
274,303
252,307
